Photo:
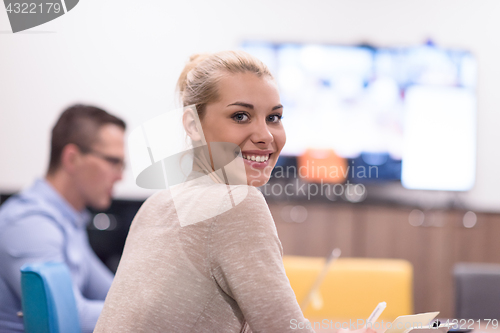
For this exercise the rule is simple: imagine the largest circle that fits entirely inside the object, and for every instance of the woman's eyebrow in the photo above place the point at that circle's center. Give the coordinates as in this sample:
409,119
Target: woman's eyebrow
250,106
245,105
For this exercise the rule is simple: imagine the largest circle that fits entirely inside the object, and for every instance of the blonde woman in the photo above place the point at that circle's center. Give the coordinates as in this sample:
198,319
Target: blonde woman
223,273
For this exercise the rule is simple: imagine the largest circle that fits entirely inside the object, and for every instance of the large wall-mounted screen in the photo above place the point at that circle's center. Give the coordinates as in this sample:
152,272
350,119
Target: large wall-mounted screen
409,111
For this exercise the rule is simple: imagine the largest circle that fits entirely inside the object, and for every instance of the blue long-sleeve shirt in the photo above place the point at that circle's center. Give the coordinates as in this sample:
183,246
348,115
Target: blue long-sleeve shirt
40,225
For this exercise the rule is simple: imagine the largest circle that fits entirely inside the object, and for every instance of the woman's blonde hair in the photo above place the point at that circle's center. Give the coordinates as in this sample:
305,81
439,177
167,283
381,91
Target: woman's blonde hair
197,83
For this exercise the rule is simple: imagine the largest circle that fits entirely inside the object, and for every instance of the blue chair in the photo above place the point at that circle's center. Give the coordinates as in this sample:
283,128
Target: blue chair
48,301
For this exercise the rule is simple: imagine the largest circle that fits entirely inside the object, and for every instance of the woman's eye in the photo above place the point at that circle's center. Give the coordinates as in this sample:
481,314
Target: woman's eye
240,117
275,118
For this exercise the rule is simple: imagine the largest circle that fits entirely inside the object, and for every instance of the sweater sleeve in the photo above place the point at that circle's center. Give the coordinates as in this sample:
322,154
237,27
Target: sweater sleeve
246,259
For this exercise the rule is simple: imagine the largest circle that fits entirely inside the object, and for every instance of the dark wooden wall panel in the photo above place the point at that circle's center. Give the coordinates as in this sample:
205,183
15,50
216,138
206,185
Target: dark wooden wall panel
433,248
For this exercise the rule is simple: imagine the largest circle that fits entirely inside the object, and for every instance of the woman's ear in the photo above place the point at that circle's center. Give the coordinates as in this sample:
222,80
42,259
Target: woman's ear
192,125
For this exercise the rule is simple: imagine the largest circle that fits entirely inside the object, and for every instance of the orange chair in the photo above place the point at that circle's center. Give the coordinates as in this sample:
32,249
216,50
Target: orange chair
322,165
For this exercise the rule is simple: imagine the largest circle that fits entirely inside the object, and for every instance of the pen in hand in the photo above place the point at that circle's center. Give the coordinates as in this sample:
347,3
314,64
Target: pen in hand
376,313
331,259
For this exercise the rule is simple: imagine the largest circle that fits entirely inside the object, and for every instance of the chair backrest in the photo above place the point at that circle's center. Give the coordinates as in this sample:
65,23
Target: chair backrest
477,291
47,299
353,287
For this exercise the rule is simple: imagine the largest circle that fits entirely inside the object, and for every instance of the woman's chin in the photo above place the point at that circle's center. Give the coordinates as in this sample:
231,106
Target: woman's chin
257,182
258,178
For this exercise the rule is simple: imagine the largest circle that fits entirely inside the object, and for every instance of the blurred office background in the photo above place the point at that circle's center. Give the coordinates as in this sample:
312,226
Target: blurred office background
407,86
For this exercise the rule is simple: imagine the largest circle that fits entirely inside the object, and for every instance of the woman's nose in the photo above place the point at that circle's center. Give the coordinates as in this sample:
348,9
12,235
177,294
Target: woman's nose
261,133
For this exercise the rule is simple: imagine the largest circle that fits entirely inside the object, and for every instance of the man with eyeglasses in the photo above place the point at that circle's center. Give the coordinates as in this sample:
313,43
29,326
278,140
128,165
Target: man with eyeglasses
47,222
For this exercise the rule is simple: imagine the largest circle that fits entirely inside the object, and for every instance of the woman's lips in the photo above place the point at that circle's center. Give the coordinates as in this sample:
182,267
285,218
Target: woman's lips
256,164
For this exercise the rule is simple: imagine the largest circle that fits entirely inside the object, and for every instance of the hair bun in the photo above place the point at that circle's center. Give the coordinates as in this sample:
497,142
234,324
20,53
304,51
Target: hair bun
194,60
198,82
195,56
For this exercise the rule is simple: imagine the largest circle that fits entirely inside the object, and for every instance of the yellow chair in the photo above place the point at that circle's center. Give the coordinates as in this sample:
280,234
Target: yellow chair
353,287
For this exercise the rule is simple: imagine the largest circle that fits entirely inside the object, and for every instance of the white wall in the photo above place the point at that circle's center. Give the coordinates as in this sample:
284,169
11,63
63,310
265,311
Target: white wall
125,56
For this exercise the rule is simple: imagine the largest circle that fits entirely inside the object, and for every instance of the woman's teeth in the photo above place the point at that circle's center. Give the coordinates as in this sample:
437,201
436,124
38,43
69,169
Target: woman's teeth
256,158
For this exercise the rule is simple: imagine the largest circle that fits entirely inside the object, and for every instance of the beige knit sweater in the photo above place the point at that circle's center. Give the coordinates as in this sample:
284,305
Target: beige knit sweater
202,257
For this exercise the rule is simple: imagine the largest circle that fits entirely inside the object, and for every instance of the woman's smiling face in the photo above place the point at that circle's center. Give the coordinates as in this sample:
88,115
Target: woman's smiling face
248,113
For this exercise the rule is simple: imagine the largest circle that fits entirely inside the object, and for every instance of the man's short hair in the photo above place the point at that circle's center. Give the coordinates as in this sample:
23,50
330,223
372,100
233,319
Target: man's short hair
79,124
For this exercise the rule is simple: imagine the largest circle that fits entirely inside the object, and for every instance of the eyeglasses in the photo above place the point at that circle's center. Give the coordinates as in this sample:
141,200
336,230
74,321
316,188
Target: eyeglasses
116,162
